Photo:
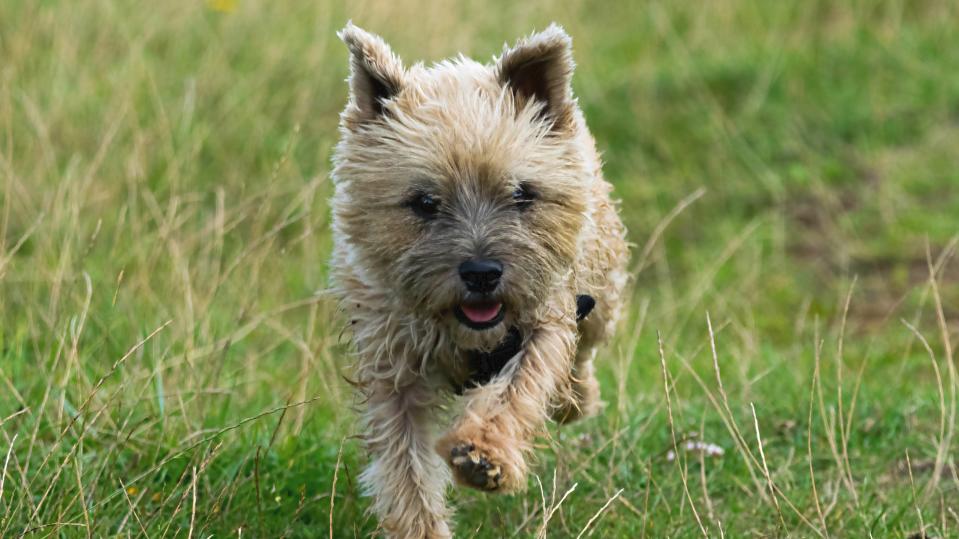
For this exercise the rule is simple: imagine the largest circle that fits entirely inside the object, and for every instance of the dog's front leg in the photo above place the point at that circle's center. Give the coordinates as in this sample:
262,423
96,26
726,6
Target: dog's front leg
487,447
406,478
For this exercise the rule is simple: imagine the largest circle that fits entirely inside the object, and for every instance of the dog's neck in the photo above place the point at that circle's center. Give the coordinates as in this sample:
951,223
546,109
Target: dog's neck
485,365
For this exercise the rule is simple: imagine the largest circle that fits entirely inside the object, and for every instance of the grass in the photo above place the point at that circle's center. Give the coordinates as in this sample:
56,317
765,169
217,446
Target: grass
169,366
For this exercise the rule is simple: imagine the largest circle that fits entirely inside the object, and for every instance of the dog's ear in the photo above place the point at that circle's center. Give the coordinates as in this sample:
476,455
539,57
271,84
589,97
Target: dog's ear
376,74
540,68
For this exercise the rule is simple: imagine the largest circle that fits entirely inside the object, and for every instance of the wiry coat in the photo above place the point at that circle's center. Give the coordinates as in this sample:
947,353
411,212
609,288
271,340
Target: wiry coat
468,136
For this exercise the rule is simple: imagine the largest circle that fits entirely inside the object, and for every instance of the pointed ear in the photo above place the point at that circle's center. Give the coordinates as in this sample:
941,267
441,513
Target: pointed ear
540,67
376,74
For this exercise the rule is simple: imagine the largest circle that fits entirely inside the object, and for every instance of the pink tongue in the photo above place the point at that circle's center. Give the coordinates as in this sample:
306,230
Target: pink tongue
481,313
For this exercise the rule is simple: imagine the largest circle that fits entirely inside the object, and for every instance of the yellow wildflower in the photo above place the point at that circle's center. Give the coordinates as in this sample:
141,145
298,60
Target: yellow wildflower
223,6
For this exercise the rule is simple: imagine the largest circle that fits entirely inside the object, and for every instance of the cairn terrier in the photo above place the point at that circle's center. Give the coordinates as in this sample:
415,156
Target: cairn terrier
480,261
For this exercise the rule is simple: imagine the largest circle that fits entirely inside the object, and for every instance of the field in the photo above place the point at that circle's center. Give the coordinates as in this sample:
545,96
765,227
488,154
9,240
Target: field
789,172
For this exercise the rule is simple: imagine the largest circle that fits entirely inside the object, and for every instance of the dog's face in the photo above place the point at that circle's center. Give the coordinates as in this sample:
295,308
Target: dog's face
461,187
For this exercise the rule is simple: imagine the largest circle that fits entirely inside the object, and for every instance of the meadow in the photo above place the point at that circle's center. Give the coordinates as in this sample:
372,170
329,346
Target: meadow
170,365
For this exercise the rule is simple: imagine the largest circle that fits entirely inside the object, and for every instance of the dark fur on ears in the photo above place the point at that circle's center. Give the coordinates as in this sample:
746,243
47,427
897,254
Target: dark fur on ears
376,74
540,67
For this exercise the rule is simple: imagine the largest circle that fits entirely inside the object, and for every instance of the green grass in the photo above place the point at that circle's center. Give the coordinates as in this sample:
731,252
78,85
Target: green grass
170,367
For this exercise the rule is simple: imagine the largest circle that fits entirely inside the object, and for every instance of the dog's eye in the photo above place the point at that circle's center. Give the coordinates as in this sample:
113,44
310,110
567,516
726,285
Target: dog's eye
424,205
523,196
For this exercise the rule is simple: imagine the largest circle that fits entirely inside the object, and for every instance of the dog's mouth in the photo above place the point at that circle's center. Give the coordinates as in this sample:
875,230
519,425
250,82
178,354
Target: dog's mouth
480,314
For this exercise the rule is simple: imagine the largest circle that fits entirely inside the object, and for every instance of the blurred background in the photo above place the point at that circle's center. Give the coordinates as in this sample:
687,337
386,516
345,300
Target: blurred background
170,366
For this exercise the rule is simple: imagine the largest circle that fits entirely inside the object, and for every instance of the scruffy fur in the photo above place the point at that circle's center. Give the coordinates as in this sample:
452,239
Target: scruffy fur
468,135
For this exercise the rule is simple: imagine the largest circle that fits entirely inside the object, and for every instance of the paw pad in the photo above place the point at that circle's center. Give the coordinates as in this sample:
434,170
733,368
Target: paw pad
475,469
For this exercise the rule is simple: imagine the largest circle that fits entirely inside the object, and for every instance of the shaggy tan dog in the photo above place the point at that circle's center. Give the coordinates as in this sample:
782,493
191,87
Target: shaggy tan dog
477,253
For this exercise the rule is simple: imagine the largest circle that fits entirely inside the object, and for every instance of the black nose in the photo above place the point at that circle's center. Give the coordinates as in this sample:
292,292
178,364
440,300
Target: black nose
481,276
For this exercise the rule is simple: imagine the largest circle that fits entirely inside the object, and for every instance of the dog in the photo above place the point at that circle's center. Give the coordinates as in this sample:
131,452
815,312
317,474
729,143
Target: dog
480,261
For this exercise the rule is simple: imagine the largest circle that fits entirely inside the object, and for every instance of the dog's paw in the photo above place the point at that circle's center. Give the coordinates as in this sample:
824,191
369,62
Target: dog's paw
475,469
570,412
485,459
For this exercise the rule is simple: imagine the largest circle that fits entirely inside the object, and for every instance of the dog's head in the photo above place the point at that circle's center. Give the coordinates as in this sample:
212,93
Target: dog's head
462,187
